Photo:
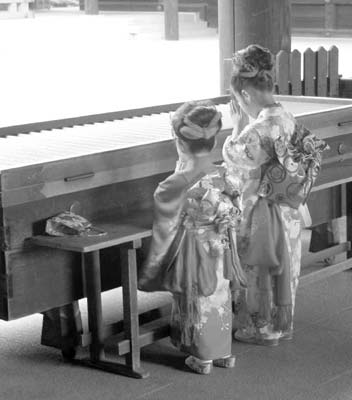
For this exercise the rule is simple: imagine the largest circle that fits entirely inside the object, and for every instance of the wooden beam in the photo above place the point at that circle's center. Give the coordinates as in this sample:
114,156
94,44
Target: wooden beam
265,22
226,38
91,7
171,19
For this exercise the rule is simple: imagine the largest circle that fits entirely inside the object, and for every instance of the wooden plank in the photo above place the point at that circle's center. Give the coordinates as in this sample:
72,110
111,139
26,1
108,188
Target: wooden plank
149,333
85,172
329,118
324,273
309,73
39,280
335,102
333,71
295,73
39,191
283,72
171,19
322,72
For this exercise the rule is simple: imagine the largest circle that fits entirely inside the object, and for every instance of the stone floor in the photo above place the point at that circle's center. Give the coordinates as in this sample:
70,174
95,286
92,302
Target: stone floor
316,365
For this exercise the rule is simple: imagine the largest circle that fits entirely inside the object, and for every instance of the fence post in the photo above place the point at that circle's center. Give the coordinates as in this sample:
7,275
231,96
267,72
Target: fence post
309,68
282,72
295,73
333,72
171,19
322,72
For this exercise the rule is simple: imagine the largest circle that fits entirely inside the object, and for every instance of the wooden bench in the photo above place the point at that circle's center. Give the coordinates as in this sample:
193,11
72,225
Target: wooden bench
15,8
128,236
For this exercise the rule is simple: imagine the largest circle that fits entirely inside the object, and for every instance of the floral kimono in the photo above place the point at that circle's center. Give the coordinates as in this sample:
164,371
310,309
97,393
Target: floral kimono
193,255
276,176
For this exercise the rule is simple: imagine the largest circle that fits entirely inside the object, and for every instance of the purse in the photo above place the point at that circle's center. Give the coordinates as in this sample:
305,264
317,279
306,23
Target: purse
70,224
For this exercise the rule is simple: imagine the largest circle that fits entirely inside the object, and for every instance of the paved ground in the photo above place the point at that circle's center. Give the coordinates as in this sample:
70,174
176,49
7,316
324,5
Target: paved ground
317,365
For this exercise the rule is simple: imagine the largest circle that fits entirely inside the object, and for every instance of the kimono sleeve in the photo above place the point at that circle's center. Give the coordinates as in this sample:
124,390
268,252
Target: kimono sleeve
247,151
169,196
169,199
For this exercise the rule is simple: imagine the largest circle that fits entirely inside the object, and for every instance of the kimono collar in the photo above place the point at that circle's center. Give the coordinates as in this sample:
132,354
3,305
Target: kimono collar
271,110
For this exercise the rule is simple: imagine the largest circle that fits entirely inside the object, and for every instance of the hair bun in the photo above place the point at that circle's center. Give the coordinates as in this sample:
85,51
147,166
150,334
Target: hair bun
260,56
254,57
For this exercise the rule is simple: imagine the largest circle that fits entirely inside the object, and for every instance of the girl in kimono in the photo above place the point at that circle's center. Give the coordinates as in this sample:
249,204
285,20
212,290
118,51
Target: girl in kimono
278,162
193,249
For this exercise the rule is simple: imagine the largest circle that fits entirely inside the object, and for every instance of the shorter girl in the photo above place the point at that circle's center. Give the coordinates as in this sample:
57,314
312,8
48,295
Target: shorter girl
193,251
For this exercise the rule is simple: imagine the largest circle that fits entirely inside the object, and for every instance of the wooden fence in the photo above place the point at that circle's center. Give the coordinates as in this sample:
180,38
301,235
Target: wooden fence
320,72
313,73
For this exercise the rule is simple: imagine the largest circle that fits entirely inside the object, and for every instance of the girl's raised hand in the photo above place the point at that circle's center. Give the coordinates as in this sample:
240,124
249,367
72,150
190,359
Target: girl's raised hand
239,117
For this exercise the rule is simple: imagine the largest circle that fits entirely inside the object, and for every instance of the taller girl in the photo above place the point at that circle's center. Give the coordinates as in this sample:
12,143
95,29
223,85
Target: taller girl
277,177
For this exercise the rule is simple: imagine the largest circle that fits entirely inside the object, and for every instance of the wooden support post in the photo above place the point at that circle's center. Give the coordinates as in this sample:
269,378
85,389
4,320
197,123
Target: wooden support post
91,264
91,7
130,305
265,22
171,19
226,38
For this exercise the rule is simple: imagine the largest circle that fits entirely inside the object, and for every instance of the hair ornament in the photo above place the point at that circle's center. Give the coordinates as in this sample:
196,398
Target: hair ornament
193,131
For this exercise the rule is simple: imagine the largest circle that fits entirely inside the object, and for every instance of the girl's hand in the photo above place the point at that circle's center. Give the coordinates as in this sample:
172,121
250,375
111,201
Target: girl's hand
235,109
239,118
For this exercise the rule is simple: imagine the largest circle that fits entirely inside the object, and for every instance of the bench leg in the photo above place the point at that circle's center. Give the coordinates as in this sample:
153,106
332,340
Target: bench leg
130,307
91,265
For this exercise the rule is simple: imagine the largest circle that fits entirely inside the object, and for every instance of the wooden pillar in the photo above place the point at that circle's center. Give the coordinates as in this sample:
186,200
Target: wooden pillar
171,19
264,22
91,7
226,39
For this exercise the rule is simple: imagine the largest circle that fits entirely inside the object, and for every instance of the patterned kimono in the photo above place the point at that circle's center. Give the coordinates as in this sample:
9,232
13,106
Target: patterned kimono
195,213
249,156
